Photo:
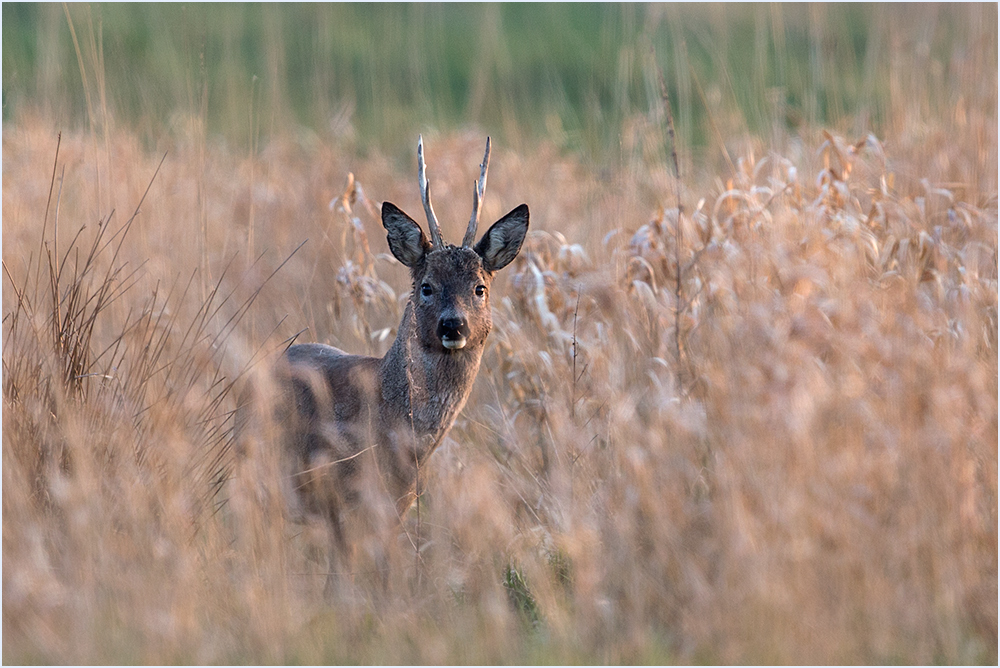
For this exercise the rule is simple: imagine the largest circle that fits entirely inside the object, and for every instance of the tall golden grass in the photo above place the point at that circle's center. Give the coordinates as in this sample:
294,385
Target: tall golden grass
760,429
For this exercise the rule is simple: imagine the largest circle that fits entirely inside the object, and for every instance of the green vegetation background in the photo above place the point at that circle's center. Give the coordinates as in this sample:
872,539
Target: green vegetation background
379,72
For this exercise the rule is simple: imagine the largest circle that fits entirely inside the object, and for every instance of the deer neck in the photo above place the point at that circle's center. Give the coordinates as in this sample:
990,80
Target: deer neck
426,389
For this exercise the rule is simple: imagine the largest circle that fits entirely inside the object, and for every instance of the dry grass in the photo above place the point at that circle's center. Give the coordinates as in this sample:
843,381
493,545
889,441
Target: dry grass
813,478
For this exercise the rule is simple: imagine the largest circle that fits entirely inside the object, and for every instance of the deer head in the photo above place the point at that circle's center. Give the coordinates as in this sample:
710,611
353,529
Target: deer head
451,284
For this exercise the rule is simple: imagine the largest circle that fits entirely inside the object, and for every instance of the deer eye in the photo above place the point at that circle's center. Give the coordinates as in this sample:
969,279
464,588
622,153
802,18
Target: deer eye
426,290
480,290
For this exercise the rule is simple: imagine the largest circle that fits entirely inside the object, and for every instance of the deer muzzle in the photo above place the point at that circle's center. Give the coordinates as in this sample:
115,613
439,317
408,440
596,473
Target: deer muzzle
453,332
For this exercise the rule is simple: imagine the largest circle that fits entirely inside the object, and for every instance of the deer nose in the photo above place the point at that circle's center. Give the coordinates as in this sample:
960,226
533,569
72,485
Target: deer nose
453,332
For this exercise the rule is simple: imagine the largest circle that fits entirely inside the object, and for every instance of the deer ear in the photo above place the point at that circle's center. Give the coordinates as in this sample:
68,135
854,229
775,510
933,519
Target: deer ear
406,240
501,243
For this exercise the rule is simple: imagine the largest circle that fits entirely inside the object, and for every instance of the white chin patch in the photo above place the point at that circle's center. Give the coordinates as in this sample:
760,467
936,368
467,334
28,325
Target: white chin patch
453,344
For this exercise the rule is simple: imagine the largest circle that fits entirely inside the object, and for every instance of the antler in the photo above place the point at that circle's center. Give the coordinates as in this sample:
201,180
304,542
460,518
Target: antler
425,195
477,199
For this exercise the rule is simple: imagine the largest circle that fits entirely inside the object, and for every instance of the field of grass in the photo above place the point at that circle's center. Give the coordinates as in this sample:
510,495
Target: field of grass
762,429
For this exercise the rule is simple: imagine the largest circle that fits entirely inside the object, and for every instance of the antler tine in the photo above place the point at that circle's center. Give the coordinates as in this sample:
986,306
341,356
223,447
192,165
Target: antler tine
477,199
425,195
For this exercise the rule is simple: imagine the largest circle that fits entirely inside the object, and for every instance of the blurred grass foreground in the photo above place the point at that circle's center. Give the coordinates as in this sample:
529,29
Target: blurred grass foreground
746,415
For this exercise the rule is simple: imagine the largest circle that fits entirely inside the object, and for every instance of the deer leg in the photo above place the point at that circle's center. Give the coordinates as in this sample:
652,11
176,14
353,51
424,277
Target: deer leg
320,495
340,559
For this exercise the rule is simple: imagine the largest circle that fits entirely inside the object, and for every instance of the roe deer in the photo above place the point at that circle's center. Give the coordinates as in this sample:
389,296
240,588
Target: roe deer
360,428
